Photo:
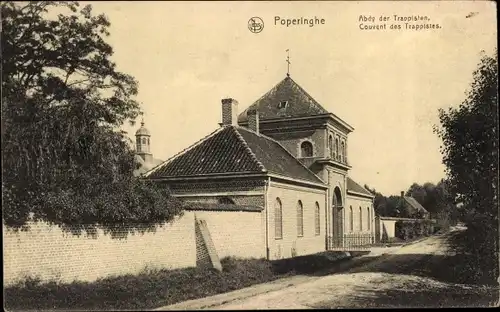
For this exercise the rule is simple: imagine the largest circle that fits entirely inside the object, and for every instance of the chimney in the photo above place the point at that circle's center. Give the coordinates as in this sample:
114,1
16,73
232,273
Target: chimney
402,194
253,120
229,112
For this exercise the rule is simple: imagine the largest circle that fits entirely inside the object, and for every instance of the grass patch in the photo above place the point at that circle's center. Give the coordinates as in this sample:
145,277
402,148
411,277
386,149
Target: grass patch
153,288
146,290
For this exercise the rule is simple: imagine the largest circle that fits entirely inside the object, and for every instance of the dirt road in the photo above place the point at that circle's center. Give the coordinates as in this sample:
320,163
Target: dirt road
418,275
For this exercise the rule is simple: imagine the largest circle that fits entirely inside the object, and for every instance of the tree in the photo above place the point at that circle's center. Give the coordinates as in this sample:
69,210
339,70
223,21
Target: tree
63,101
470,148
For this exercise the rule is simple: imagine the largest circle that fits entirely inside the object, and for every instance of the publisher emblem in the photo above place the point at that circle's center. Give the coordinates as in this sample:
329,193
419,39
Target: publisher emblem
255,24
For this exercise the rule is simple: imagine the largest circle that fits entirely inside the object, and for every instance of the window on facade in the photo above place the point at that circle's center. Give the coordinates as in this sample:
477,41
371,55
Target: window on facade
300,219
368,221
317,225
143,140
343,152
351,219
306,149
330,145
226,201
337,154
278,219
360,219
148,141
138,146
283,104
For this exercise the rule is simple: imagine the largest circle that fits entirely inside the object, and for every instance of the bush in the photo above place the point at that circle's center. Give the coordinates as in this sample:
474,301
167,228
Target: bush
407,230
149,289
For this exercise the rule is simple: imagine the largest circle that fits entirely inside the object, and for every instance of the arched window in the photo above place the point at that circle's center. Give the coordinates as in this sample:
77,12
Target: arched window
144,141
306,149
360,219
330,145
343,158
337,197
226,201
351,219
337,149
368,221
138,146
278,219
317,216
148,141
300,219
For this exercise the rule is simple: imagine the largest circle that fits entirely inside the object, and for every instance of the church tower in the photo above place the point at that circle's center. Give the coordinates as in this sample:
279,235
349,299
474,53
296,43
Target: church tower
142,143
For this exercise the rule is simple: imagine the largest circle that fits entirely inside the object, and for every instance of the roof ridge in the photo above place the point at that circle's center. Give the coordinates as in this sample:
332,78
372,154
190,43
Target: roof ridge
150,171
359,184
252,154
273,140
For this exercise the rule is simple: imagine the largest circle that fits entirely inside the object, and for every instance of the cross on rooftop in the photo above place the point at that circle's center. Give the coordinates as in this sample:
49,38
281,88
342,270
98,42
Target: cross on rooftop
288,62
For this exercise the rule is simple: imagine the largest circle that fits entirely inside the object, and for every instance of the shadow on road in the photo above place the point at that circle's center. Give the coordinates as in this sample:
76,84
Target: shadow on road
457,278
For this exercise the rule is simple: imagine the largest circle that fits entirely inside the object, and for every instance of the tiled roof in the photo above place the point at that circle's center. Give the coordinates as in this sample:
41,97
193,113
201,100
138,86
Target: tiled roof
414,203
355,187
233,150
300,103
275,158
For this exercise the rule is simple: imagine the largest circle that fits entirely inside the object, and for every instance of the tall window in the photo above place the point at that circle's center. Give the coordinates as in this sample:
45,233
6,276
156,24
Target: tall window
330,145
278,219
341,156
317,225
351,219
360,219
300,219
306,149
368,221
336,149
344,158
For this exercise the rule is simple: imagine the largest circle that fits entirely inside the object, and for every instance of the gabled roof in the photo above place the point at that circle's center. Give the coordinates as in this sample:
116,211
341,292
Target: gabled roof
415,204
233,150
299,103
355,187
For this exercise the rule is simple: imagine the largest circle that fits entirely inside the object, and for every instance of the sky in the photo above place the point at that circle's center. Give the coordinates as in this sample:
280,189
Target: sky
387,84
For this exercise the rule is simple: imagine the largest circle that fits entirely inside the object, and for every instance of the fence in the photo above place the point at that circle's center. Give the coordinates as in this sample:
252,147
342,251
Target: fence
351,241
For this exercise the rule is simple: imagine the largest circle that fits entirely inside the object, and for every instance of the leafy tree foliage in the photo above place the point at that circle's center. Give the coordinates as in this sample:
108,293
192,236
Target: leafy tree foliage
437,200
386,206
434,198
470,153
63,101
470,149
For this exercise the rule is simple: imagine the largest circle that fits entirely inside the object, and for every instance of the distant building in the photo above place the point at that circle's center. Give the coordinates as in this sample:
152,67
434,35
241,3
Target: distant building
143,153
412,207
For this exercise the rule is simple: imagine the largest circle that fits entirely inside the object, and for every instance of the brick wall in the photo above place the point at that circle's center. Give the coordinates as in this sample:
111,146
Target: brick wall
246,185
239,234
290,244
252,200
292,143
49,253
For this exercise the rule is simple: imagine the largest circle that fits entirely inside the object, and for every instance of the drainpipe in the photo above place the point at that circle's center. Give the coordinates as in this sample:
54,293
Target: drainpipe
266,206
